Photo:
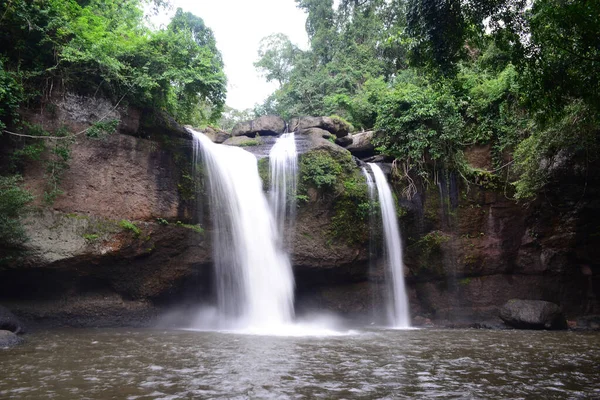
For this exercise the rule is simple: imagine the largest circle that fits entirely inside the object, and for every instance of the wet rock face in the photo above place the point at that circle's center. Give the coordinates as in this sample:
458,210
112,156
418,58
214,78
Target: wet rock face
82,256
265,125
533,314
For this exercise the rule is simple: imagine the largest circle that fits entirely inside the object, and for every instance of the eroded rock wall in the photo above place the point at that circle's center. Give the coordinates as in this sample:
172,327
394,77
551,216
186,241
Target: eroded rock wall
123,236
468,249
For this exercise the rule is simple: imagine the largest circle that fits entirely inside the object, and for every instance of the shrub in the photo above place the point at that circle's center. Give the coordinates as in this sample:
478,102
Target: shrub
130,226
13,202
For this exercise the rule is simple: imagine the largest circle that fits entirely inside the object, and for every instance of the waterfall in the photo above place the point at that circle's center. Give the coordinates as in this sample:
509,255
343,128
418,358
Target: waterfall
397,301
283,159
254,277
372,242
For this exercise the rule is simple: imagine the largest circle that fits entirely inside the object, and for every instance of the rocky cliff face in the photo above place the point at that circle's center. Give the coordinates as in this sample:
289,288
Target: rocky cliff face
121,238
122,241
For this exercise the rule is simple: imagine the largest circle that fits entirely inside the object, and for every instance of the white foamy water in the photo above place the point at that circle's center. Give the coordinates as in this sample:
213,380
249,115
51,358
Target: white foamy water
398,308
255,285
283,160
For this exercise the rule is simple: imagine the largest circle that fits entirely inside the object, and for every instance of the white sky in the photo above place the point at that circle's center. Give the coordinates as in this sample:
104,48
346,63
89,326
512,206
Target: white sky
239,25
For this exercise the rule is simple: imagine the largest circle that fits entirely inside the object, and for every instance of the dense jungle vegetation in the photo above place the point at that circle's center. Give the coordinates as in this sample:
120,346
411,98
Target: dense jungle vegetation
430,76
95,48
434,76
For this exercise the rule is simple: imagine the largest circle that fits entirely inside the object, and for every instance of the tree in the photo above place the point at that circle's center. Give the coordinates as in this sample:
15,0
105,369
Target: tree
103,47
276,58
13,200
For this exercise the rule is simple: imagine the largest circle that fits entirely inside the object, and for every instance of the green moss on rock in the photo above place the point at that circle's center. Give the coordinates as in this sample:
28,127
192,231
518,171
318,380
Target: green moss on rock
337,180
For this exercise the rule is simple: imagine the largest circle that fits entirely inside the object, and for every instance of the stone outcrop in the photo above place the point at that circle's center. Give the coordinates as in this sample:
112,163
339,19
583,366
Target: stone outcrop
265,125
112,246
216,135
316,138
344,141
361,145
334,126
533,314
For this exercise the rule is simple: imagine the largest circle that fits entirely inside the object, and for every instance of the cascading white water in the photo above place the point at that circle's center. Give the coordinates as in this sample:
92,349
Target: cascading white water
283,159
254,277
398,301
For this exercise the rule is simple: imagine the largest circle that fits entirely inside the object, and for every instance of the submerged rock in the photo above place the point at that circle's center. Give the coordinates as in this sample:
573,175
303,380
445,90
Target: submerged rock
533,314
9,322
8,339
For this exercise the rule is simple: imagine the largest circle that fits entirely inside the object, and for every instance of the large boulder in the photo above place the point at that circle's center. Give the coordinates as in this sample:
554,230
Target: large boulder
265,125
532,314
334,126
8,321
216,135
8,339
362,145
344,140
316,138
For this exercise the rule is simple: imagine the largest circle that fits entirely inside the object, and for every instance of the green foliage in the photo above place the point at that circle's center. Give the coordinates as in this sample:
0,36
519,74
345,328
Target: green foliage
348,46
104,46
13,202
429,247
196,228
162,221
337,180
319,169
493,110
230,117
437,31
277,55
436,76
352,210
101,129
264,171
562,60
575,132
11,95
421,123
249,143
91,237
130,226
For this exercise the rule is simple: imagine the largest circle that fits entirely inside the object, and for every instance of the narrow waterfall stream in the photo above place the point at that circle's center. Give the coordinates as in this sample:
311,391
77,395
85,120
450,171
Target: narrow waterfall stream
283,160
255,285
398,309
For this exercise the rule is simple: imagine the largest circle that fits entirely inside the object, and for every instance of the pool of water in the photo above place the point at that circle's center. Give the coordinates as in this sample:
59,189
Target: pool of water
360,364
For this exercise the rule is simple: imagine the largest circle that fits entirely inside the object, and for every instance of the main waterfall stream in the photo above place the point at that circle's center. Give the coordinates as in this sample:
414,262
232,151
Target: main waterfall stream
255,285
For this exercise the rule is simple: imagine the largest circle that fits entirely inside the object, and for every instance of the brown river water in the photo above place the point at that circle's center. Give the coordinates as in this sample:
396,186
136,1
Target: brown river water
359,364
